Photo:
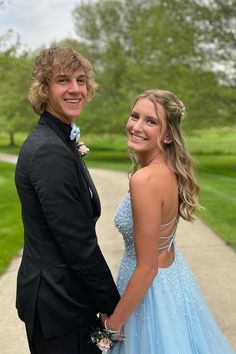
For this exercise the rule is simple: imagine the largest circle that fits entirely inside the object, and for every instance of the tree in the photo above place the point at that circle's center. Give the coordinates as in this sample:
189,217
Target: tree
2,2
215,23
15,75
135,45
4,37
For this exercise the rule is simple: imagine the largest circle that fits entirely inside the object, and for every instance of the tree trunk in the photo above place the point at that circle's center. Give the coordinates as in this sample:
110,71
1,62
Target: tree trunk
12,141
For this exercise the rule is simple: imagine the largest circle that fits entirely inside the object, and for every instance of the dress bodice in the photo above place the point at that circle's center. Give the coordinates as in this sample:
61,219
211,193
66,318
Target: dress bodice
124,223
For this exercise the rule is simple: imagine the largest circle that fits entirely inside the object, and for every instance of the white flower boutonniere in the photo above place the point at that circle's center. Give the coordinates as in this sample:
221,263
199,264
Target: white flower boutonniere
75,135
75,132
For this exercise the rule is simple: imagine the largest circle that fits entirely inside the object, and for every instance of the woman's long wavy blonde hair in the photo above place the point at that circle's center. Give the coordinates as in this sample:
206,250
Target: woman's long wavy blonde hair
176,154
57,59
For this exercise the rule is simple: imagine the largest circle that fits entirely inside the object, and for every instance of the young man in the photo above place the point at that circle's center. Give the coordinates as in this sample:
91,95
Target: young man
63,280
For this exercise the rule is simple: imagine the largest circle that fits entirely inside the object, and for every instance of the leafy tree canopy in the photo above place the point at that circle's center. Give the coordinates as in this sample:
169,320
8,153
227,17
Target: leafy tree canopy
186,46
136,45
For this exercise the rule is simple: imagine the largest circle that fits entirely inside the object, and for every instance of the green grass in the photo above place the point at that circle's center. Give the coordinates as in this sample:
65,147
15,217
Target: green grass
13,150
214,151
114,160
4,143
215,141
11,231
217,179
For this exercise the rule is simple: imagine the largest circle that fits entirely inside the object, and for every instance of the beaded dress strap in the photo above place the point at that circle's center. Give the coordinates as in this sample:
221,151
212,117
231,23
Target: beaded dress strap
169,223
169,240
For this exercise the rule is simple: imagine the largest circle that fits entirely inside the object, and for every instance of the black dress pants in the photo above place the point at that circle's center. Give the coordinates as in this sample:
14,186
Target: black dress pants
72,343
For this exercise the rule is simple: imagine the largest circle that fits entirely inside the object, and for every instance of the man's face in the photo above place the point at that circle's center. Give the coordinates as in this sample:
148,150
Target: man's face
67,94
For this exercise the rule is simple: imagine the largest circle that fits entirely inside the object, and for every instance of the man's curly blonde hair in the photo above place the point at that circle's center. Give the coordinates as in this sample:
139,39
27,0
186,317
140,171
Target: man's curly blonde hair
57,59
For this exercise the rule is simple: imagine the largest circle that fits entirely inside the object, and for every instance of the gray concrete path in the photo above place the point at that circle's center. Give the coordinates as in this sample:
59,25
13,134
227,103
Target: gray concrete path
213,263
7,157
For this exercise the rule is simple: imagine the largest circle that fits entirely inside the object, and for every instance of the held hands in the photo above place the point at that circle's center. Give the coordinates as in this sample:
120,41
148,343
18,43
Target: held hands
106,322
105,338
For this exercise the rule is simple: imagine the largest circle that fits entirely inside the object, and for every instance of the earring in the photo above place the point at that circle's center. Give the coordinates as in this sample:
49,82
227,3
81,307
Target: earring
168,141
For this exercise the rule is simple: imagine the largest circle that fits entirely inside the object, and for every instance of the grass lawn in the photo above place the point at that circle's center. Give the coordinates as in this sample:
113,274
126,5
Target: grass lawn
4,143
213,141
214,152
10,222
217,179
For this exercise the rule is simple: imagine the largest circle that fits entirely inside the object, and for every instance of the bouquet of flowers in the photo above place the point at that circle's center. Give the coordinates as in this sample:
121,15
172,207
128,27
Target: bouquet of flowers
105,339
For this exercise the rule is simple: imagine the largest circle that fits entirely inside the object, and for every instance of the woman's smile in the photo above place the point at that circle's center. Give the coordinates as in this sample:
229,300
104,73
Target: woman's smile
136,137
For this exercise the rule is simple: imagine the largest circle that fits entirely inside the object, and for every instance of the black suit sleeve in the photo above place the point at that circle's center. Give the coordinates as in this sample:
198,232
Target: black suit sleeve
54,176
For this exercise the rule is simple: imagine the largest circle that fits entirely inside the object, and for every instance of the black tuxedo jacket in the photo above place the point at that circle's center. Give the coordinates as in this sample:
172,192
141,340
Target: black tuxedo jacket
63,271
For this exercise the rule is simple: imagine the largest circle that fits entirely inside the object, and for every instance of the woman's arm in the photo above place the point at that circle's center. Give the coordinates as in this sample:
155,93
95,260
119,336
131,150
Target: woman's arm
146,210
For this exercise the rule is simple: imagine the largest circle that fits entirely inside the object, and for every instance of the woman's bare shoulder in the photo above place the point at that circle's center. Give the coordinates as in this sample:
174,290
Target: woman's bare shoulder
152,175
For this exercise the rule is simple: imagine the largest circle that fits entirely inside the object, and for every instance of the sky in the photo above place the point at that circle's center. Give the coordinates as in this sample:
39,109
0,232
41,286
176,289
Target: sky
38,22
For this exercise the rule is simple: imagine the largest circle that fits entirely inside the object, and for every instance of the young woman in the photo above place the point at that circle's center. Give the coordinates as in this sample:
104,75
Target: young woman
162,308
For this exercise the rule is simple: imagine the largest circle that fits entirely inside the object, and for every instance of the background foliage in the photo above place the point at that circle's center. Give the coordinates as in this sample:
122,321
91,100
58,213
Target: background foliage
187,46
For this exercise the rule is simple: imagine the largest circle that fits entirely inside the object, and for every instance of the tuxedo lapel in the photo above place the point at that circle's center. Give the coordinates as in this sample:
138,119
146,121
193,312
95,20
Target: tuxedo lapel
93,197
90,185
93,191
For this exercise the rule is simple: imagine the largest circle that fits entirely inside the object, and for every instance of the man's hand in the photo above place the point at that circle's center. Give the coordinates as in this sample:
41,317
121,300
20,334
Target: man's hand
102,318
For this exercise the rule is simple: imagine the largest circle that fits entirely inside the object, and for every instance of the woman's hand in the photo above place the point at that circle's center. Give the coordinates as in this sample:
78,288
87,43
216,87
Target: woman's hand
118,331
110,325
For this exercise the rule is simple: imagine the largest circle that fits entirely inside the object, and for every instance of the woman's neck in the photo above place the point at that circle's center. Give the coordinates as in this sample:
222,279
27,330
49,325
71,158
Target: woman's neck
150,159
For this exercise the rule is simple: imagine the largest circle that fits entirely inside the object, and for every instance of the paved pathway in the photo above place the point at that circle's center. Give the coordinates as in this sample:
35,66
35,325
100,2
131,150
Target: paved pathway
8,157
213,263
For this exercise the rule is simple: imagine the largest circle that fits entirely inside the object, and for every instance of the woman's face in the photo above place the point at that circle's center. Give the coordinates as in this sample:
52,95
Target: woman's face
145,125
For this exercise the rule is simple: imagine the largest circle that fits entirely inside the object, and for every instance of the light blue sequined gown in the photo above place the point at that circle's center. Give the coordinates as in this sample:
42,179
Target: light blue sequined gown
173,318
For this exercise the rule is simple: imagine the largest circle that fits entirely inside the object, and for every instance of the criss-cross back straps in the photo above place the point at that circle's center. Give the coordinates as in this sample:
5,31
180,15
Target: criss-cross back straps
168,240
170,222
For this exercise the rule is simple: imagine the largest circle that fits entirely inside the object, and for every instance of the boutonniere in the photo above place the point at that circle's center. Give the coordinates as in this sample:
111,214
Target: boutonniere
75,135
82,148
75,132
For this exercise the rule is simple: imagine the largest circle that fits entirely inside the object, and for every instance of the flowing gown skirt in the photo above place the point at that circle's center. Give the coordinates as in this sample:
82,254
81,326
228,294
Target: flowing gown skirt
173,318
